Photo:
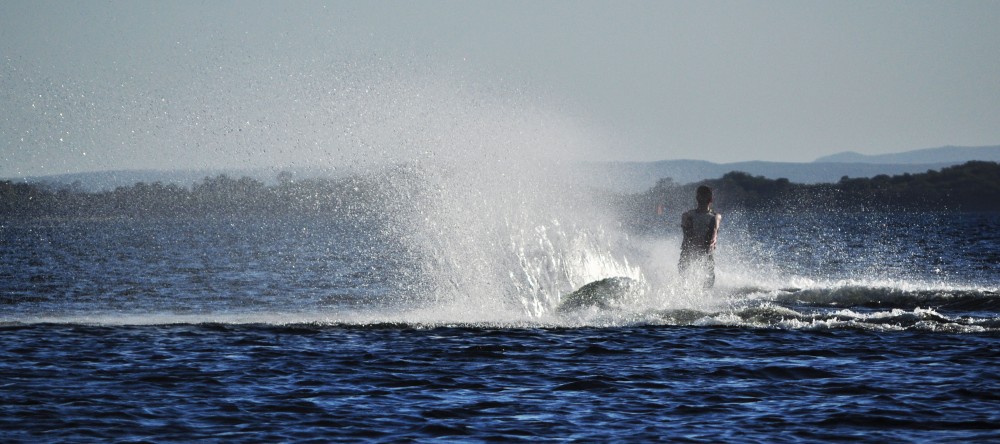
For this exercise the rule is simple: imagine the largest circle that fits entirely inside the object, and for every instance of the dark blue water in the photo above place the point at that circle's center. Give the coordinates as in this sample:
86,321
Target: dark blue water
394,383
834,328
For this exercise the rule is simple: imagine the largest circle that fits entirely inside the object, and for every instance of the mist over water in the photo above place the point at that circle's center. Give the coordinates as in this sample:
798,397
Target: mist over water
482,200
490,205
479,185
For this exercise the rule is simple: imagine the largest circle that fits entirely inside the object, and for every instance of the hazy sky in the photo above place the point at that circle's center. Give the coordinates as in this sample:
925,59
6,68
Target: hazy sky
171,84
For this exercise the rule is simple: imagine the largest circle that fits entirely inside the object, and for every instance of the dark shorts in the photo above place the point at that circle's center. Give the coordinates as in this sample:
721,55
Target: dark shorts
697,267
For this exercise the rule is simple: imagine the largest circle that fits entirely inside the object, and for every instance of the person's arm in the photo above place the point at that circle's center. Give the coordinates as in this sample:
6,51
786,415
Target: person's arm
713,233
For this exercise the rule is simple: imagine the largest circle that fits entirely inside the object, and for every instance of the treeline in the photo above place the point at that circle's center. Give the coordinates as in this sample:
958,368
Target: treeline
973,186
212,196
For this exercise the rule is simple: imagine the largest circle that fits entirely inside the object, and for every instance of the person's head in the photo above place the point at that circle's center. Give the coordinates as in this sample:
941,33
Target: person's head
703,195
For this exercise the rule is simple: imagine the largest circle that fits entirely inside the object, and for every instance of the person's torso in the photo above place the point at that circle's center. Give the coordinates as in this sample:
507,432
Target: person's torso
702,225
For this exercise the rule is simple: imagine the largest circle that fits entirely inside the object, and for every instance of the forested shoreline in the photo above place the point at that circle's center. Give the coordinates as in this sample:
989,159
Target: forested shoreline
217,195
973,186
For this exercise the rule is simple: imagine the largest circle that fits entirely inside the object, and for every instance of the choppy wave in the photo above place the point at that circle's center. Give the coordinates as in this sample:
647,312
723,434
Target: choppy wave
858,306
872,308
958,299
918,319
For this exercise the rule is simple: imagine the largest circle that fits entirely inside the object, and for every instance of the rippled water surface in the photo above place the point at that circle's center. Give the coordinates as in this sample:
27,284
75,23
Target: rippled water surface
827,329
299,382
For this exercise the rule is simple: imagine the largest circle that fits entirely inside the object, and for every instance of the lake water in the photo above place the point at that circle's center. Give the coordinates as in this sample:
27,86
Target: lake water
822,327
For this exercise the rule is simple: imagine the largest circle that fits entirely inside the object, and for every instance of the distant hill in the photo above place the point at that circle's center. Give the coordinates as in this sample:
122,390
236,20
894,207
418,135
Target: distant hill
971,186
638,176
109,180
627,177
944,154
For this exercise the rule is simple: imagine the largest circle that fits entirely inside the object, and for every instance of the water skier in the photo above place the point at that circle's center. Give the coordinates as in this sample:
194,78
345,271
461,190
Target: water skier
701,229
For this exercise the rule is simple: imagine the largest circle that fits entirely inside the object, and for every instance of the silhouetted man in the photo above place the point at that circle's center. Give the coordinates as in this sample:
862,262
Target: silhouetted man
701,229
